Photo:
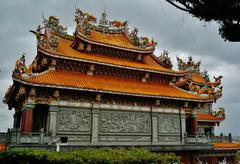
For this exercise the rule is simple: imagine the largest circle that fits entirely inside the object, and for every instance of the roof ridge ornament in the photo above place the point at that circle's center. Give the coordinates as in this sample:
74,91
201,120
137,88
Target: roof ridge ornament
165,59
190,65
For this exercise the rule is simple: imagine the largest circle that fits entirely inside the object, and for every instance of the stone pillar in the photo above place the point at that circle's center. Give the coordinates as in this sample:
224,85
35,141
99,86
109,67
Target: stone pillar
27,119
52,120
15,120
95,117
183,125
154,127
42,136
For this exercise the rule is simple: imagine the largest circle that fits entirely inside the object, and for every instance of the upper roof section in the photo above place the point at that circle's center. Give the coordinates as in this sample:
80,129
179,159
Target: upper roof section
111,33
100,43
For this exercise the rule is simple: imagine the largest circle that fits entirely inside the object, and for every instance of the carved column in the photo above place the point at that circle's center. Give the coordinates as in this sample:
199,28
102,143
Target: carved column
27,119
52,120
95,117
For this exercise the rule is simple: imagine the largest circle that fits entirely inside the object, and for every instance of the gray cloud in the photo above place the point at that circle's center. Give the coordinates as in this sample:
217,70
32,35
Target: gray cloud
174,30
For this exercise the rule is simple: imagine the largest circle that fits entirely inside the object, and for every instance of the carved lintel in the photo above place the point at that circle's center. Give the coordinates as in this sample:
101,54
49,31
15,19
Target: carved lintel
186,104
145,78
53,64
44,61
80,46
89,48
157,102
56,94
199,105
32,93
90,70
21,92
140,57
98,98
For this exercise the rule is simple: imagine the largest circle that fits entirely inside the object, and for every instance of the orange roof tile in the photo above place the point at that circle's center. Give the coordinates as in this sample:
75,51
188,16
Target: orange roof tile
225,145
82,81
196,77
119,39
64,49
208,117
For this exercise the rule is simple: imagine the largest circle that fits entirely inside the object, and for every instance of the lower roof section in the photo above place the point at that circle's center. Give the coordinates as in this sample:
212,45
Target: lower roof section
206,117
81,81
225,145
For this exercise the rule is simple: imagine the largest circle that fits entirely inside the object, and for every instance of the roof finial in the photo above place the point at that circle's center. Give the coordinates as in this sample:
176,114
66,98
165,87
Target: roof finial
105,9
103,21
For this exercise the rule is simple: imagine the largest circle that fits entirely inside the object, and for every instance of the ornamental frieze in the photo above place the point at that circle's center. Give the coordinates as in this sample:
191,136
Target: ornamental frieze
74,120
119,122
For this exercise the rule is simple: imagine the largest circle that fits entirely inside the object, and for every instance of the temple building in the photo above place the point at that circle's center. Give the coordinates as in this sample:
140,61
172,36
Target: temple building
104,87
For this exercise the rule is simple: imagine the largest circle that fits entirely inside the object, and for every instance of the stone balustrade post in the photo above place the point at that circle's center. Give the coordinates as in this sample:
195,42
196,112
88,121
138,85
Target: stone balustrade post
42,136
18,136
183,126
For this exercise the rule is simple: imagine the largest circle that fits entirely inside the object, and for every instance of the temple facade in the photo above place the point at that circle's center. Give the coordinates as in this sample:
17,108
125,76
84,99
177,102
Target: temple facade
104,87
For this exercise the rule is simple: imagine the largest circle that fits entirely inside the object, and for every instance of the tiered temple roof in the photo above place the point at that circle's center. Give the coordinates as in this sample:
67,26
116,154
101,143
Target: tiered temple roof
108,45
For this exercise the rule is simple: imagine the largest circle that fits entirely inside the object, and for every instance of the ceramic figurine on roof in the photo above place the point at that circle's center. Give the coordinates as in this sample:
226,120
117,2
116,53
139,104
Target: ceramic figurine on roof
53,23
205,75
21,68
134,36
165,59
142,42
103,20
84,21
190,65
39,35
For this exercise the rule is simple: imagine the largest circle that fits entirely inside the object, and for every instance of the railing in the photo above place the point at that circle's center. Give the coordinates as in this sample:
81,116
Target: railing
3,138
194,139
14,136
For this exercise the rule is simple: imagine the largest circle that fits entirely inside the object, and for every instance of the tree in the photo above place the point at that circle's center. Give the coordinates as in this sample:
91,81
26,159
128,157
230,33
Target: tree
224,12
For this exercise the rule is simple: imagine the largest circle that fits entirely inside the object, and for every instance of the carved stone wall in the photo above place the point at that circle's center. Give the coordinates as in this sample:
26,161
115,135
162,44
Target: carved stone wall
74,120
168,124
124,122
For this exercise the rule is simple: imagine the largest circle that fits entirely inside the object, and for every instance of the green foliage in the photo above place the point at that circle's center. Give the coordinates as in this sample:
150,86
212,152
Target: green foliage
224,12
89,156
238,155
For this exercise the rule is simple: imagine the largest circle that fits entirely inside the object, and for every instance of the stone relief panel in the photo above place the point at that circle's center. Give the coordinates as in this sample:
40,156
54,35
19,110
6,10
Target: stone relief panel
124,122
168,124
125,138
74,120
29,139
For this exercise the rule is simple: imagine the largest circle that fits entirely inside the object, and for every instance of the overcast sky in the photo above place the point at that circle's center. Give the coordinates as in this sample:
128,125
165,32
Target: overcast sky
175,31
